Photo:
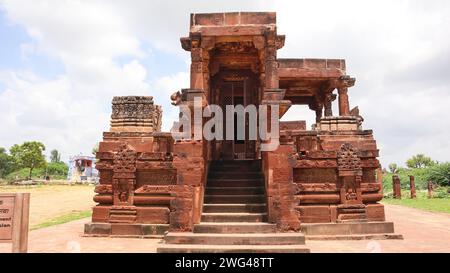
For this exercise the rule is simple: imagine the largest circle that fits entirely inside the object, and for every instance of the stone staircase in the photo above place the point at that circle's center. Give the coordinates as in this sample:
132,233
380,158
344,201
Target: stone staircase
234,217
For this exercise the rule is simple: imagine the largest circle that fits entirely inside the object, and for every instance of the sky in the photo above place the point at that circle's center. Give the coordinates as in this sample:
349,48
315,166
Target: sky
62,61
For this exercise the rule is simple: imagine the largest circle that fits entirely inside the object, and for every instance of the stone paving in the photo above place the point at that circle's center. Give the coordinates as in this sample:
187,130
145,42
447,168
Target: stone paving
423,232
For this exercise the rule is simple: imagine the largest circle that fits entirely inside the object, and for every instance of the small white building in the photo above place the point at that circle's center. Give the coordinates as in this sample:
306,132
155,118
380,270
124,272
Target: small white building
82,169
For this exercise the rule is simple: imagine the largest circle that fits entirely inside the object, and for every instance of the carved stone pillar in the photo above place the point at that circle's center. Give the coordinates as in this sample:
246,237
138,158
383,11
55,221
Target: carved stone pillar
197,80
329,98
412,186
430,189
344,83
344,107
396,186
273,43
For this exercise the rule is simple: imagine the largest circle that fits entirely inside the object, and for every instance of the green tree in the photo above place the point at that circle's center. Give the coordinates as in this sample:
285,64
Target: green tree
6,163
439,174
55,156
393,168
29,155
58,169
419,161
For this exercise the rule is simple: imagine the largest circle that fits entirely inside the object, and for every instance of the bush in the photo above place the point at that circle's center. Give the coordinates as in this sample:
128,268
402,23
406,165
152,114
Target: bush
439,174
58,168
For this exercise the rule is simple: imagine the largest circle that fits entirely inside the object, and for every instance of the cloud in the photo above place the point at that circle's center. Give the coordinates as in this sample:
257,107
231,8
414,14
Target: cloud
397,50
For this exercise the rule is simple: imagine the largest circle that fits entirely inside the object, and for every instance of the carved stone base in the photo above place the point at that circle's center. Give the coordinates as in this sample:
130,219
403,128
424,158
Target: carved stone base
351,213
125,230
338,124
122,214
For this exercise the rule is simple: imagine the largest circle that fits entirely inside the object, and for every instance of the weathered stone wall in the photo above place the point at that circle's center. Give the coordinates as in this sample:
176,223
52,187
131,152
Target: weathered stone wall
136,169
316,176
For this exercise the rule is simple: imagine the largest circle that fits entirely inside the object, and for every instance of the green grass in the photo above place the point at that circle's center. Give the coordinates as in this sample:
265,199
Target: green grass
64,219
423,203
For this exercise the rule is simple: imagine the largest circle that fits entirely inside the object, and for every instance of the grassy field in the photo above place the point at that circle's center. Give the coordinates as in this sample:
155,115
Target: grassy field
55,204
421,202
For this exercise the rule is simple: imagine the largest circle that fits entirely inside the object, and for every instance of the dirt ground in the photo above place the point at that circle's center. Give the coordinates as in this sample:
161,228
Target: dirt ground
50,201
423,232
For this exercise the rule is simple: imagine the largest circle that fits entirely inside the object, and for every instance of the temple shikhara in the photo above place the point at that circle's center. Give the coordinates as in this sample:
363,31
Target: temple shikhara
230,195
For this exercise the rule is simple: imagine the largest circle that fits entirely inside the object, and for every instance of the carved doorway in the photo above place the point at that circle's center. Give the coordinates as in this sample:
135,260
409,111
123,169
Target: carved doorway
237,92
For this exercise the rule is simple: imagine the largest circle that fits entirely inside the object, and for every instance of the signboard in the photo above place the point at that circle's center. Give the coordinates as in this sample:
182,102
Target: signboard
6,217
14,213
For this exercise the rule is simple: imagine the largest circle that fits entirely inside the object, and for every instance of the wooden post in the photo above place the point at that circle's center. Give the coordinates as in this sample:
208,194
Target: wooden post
412,186
14,225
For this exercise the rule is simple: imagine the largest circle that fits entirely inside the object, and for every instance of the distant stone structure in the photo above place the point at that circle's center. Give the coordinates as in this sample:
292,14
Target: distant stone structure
430,188
82,169
316,182
412,186
396,187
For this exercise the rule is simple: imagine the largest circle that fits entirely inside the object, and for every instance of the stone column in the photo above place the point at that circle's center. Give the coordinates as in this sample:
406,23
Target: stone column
430,189
344,107
344,83
271,64
396,187
197,80
319,112
412,186
329,98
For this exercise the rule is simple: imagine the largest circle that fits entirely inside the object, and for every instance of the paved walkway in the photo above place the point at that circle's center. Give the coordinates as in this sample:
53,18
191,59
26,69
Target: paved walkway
423,232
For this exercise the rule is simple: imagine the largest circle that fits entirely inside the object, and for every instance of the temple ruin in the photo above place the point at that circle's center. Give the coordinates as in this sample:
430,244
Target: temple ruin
229,195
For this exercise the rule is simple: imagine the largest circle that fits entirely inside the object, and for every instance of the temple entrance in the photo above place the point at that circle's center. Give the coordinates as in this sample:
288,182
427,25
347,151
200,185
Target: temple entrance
239,89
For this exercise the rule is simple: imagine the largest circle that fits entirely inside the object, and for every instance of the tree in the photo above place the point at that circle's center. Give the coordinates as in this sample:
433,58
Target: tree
55,156
29,155
393,168
439,174
6,163
419,161
95,149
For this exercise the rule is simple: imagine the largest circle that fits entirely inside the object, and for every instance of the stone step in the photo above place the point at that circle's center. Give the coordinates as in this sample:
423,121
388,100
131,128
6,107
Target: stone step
213,169
235,174
185,248
235,238
236,163
234,190
355,237
234,217
235,227
258,207
234,199
225,182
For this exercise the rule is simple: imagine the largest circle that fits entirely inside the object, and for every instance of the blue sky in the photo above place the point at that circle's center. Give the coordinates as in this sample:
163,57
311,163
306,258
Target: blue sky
61,62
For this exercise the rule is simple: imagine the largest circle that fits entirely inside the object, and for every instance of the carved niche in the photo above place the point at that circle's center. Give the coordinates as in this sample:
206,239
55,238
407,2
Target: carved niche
124,178
350,175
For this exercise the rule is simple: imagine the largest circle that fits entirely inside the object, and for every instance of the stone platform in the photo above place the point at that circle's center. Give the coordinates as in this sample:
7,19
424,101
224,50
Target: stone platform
125,230
350,231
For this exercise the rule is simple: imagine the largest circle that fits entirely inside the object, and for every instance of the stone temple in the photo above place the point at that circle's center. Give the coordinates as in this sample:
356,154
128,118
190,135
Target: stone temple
229,195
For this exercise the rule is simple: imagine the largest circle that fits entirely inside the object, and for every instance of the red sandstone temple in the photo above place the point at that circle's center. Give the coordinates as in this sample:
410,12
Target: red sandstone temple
229,196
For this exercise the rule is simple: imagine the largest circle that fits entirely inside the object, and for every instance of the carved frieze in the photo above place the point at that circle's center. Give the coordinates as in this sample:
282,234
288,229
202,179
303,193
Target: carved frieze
322,163
103,189
155,189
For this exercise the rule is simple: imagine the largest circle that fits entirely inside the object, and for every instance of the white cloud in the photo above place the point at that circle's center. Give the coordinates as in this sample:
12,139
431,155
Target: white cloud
397,50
